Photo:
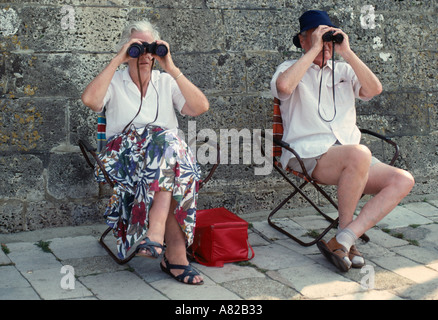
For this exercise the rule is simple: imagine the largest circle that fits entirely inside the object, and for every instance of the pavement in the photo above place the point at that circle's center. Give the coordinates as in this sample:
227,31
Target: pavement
401,257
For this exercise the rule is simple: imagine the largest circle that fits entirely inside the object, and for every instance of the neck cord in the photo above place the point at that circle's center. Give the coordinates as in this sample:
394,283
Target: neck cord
141,99
333,85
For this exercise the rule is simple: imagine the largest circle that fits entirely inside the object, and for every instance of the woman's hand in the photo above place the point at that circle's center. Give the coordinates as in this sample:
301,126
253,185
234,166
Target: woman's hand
122,56
166,62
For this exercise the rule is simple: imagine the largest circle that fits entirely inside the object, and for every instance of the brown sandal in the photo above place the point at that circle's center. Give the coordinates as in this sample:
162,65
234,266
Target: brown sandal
336,253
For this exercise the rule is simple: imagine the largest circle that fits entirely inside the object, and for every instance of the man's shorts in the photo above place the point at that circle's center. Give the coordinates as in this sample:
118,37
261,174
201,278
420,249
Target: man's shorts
310,163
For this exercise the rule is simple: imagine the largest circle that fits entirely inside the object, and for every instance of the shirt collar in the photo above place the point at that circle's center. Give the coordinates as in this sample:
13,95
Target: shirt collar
127,77
329,64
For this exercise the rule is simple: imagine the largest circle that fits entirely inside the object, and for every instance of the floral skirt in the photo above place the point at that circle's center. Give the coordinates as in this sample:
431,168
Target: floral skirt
140,165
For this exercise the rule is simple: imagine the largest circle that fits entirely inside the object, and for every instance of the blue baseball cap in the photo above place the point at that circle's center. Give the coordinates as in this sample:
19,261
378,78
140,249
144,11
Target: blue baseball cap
312,19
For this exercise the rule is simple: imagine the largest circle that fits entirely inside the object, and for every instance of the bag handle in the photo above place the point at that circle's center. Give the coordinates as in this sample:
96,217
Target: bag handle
252,250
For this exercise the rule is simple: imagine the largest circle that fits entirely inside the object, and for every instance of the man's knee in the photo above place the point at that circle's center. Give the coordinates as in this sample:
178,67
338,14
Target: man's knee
359,156
404,181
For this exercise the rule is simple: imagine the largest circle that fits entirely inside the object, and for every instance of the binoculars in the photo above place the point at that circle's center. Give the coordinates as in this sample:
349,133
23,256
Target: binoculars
329,37
135,50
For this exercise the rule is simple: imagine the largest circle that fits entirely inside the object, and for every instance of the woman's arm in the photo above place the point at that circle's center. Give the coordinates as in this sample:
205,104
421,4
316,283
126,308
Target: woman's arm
95,92
196,101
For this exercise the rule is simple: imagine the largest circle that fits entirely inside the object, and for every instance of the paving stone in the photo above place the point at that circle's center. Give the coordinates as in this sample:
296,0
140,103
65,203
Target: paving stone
261,288
77,247
27,293
47,283
373,249
402,217
422,291
274,257
93,265
294,246
122,285
312,222
10,277
423,208
372,277
384,239
267,231
315,281
256,240
28,257
420,255
4,259
432,235
368,295
433,202
148,269
208,291
407,268
229,272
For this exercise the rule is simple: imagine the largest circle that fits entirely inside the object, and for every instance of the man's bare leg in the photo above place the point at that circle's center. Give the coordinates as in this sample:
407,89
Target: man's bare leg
346,167
389,185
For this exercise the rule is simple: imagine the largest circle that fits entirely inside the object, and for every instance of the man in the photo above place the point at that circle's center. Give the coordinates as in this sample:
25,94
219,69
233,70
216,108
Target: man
320,124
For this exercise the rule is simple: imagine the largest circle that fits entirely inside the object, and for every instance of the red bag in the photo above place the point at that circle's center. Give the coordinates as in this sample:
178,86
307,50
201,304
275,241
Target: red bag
220,237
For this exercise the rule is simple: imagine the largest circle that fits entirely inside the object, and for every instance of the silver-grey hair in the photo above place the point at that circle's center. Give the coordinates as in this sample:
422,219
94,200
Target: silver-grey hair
142,26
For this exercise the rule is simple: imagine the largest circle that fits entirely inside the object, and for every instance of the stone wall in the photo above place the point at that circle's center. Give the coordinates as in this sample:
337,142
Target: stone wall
51,49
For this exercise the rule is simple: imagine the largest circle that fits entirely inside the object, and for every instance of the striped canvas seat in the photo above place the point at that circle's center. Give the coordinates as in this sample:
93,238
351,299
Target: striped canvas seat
277,134
101,131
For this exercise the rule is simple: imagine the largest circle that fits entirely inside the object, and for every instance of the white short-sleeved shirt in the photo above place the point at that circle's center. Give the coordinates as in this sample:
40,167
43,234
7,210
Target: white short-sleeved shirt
304,129
122,101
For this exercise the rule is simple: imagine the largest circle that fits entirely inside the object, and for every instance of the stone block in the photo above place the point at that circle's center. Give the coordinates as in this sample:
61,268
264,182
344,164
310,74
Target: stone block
11,216
46,214
69,177
30,124
258,30
214,73
21,177
186,30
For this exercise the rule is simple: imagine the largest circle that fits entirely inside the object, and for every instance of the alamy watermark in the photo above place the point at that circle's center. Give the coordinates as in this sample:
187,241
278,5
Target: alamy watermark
68,21
242,146
367,281
68,281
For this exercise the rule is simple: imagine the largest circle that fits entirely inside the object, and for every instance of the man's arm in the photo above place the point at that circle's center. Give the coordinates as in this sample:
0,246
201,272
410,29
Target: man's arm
288,80
370,84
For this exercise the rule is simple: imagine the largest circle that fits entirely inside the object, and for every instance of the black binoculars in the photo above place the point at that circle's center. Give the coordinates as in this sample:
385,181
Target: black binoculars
329,37
135,50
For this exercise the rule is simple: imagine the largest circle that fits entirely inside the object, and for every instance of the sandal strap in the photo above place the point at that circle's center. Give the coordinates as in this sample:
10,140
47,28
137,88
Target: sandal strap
150,245
335,247
355,252
188,271
174,266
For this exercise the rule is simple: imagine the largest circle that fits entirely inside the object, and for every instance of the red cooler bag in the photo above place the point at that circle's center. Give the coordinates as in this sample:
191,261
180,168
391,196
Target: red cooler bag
220,237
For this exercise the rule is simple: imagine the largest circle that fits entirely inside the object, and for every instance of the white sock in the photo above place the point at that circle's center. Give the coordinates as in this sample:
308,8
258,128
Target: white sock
358,260
346,237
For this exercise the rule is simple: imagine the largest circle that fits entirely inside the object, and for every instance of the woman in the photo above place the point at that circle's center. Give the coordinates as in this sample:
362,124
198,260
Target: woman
155,172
